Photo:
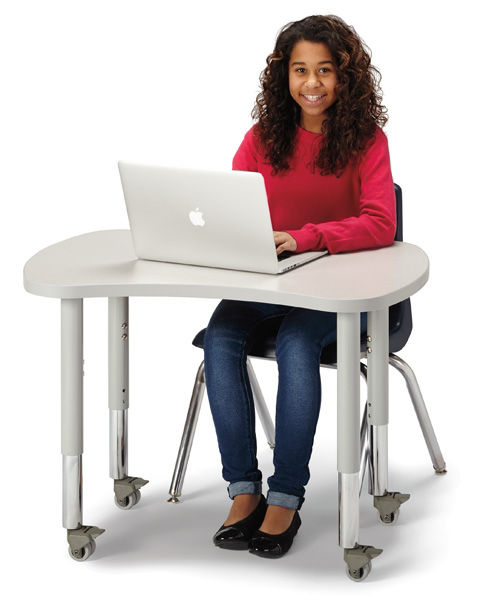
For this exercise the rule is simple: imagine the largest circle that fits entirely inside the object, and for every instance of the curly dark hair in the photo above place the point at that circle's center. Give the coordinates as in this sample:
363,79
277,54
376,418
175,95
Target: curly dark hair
352,119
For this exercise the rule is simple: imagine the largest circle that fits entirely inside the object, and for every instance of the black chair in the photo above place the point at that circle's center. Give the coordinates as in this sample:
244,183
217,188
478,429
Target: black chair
263,346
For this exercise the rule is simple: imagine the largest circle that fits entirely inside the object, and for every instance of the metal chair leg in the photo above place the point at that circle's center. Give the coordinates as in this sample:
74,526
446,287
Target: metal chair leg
261,407
421,412
192,420
269,429
188,435
363,437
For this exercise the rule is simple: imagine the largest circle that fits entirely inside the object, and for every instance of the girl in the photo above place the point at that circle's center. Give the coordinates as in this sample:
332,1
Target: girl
319,145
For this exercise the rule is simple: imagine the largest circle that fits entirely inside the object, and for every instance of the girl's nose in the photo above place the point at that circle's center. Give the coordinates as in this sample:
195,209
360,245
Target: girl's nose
313,81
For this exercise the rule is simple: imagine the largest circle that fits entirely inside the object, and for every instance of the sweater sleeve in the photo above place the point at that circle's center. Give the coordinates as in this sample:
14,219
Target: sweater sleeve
245,158
375,226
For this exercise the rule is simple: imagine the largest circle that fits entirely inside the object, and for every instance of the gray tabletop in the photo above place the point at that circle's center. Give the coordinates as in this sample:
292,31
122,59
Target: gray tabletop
103,263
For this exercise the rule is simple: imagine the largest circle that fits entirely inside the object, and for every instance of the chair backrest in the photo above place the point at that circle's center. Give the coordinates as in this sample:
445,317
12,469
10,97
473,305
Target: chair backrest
400,317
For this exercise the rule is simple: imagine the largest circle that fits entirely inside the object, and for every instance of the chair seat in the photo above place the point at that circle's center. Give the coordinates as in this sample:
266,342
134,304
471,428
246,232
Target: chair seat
263,342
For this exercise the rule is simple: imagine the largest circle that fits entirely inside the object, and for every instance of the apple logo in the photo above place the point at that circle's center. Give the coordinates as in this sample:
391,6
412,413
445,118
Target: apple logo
196,217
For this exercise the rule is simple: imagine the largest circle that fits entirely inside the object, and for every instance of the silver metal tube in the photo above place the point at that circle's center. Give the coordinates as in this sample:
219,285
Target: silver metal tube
363,434
261,406
118,446
71,491
363,438
188,433
348,509
421,412
364,449
364,465
378,459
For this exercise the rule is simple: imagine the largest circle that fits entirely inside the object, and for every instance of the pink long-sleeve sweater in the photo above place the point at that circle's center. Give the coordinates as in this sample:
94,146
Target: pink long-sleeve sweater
354,212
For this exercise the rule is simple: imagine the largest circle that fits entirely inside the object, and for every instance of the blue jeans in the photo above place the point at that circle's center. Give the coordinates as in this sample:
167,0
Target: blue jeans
302,335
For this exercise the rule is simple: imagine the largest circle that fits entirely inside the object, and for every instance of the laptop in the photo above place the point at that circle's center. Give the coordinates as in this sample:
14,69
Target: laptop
203,217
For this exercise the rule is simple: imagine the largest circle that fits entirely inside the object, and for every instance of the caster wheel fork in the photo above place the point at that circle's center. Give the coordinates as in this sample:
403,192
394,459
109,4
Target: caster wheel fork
388,506
126,491
81,541
358,561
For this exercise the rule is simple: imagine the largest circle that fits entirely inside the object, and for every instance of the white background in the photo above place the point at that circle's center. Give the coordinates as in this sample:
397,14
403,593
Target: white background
85,84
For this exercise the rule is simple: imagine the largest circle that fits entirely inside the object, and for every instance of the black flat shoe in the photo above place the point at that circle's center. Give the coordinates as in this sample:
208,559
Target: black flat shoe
270,545
237,535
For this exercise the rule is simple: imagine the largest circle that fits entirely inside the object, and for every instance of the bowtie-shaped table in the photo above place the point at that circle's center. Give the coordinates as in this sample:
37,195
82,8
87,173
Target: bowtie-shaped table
103,263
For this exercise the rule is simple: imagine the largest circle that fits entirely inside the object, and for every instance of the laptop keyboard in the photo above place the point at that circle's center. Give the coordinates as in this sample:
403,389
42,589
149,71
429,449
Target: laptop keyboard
285,254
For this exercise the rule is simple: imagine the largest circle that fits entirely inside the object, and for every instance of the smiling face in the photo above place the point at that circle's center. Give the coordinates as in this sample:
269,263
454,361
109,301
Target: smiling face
312,80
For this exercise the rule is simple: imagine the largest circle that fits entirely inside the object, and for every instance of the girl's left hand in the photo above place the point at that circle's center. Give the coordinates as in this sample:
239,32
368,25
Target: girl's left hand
284,241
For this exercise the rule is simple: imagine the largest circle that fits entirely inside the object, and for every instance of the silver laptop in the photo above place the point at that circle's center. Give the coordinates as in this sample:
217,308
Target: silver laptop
200,217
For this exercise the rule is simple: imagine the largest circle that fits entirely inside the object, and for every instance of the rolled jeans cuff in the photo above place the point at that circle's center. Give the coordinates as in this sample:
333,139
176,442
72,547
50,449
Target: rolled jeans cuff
244,487
284,500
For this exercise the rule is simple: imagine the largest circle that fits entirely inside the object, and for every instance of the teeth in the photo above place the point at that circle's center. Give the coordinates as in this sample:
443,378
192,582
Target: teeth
311,98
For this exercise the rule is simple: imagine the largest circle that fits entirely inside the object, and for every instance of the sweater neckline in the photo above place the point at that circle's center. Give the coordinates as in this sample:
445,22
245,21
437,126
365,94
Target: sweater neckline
308,134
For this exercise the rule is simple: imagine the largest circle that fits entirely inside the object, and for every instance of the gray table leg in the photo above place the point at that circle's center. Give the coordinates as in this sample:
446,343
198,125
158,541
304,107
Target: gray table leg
358,558
348,419
118,385
72,392
377,402
80,537
126,489
387,503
